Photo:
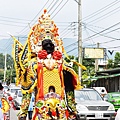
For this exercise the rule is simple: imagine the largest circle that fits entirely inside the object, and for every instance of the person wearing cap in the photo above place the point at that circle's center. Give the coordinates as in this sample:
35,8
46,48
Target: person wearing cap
1,93
117,117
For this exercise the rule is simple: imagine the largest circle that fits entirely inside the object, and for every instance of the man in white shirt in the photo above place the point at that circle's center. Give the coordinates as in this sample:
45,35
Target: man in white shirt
118,115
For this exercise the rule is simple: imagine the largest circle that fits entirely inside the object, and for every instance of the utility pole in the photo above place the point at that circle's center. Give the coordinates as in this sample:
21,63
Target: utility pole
96,61
79,39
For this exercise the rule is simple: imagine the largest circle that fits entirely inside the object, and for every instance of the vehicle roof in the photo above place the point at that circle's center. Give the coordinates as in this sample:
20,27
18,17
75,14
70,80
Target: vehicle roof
4,85
101,90
86,89
15,87
114,92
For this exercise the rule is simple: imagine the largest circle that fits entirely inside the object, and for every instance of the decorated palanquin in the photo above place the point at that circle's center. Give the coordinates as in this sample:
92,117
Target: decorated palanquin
42,70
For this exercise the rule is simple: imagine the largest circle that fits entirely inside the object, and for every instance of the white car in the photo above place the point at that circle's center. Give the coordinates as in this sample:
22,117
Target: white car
18,99
90,105
5,90
13,91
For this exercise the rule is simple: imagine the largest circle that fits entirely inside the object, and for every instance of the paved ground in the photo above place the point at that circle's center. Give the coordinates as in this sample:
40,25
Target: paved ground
13,114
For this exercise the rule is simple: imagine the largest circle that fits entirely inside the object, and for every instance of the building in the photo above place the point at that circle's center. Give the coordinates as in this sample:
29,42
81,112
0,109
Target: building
110,79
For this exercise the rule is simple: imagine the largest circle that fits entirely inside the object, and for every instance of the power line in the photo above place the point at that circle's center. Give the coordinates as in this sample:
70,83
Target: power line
60,9
105,15
101,10
86,39
104,35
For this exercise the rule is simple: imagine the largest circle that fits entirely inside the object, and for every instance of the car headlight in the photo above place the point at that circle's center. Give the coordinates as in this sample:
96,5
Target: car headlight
111,107
81,108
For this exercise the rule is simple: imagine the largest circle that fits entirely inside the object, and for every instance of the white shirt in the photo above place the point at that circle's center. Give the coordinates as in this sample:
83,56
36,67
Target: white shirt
1,115
118,115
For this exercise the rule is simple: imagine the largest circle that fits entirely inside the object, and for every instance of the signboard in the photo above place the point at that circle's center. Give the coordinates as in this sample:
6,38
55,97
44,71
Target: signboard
93,52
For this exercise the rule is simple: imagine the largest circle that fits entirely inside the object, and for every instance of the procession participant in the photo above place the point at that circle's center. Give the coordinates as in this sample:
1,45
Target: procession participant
31,107
118,115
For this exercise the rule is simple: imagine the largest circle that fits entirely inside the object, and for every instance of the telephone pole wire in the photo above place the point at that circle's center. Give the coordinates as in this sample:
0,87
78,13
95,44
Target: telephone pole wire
79,39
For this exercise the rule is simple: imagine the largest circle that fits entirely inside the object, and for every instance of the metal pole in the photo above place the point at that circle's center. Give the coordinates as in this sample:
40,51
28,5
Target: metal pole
96,61
79,39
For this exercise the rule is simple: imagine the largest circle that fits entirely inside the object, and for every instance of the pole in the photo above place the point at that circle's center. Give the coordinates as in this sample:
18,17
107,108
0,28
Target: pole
96,61
79,39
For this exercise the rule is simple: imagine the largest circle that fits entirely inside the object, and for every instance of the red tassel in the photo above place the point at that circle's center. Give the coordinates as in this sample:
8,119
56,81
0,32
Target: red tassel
40,81
67,113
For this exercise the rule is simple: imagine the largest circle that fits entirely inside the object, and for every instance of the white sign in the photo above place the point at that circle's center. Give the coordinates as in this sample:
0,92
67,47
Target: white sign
94,53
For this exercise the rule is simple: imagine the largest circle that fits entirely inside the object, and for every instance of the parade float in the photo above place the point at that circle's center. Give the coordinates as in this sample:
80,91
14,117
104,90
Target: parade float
40,68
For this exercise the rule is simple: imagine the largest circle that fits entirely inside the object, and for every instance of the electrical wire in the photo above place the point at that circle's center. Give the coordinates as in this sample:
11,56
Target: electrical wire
105,15
86,39
100,10
60,9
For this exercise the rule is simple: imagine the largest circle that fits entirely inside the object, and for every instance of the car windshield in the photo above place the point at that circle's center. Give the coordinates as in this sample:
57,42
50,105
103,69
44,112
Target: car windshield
19,94
116,95
5,87
87,95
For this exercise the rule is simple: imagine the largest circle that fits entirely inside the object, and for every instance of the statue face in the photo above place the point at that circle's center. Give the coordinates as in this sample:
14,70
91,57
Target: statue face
48,46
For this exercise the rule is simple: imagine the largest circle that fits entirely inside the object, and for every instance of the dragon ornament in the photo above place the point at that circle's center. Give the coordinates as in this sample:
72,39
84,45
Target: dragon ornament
39,67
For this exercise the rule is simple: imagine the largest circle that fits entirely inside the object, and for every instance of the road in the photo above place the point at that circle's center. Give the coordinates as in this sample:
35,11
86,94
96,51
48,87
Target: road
13,114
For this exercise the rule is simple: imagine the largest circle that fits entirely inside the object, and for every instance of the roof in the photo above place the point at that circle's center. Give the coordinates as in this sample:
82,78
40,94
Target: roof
109,71
106,74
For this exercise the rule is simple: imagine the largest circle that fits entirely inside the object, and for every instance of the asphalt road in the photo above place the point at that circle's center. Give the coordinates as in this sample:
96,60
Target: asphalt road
13,114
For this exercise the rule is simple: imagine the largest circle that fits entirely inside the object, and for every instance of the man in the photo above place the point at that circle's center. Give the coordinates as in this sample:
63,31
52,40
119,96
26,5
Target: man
31,107
118,115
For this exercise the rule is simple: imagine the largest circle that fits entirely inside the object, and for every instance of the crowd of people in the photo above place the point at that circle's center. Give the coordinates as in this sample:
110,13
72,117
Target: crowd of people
30,109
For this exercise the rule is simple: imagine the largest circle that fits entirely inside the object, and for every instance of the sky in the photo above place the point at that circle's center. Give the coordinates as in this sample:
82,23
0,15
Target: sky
99,18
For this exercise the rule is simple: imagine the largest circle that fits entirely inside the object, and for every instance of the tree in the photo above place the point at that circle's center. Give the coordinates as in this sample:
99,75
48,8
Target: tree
117,60
88,63
1,74
114,63
110,64
1,61
10,72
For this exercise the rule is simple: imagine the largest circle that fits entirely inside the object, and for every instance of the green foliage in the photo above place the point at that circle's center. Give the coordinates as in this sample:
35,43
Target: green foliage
117,59
110,64
1,74
10,72
89,64
114,63
2,61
